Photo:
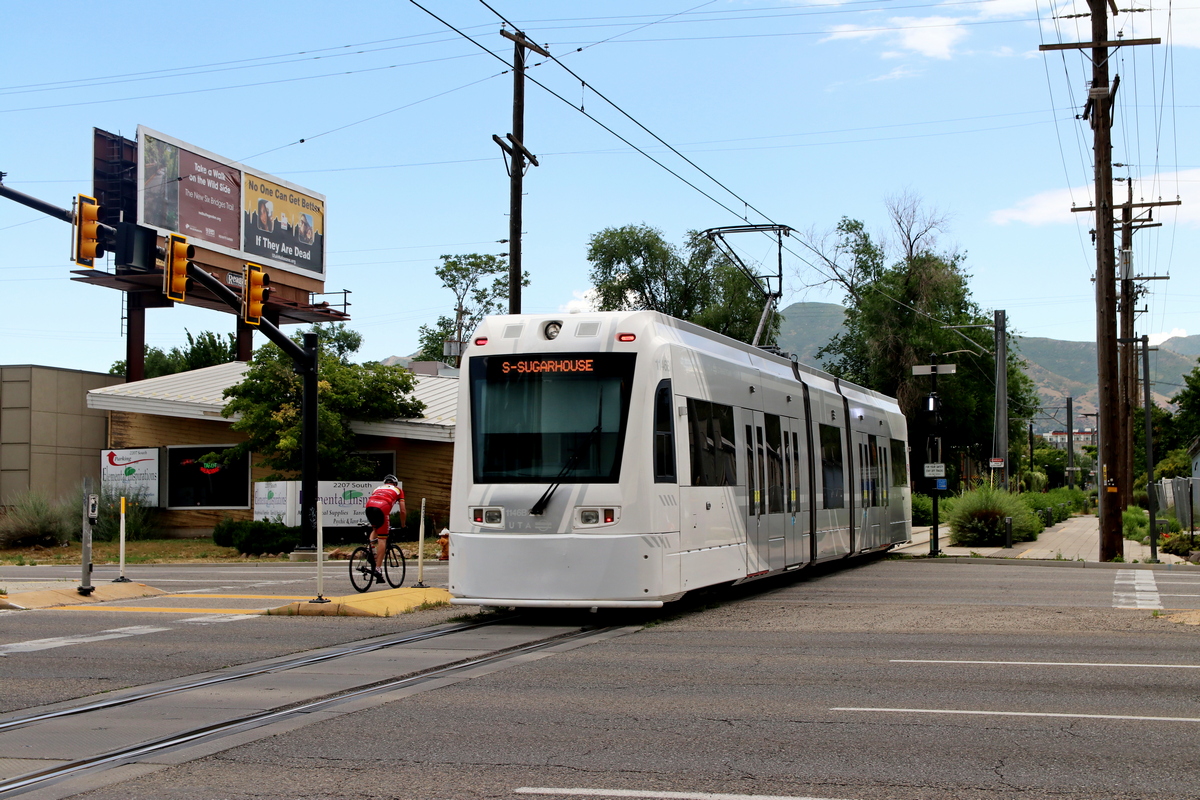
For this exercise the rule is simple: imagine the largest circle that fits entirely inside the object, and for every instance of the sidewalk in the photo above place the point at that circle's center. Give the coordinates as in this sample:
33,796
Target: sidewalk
1076,539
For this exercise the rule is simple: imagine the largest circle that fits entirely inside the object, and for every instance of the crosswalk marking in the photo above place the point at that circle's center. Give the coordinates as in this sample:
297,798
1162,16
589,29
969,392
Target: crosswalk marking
1136,588
63,641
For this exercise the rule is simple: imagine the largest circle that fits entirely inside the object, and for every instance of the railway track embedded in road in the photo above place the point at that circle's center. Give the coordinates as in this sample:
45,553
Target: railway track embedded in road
129,753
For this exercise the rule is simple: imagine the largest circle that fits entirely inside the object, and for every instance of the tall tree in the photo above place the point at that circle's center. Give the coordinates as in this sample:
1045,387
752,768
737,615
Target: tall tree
206,350
268,402
479,282
897,316
634,268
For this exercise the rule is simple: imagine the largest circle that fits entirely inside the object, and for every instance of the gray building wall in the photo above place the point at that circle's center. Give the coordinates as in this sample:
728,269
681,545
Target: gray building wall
49,439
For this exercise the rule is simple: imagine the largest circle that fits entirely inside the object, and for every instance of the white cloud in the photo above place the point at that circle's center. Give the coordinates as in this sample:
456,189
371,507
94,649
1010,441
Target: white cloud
1158,338
1053,207
933,37
584,301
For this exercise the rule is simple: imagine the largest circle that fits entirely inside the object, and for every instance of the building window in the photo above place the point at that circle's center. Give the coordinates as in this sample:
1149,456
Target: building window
382,462
196,480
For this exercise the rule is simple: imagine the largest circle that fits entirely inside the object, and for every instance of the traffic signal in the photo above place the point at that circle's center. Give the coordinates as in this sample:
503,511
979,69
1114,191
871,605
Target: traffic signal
255,291
175,277
87,245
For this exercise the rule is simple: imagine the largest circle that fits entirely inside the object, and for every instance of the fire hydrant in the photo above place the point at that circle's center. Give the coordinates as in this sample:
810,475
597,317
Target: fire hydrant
444,540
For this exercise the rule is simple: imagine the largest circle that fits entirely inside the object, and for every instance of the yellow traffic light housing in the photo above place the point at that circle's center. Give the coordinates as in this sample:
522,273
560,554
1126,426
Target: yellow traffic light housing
87,245
255,291
175,277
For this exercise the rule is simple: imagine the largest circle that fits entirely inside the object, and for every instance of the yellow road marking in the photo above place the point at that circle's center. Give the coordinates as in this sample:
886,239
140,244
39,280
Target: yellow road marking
160,610
245,596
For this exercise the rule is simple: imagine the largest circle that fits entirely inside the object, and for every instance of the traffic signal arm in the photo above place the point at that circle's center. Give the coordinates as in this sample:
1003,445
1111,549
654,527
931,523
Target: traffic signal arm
226,295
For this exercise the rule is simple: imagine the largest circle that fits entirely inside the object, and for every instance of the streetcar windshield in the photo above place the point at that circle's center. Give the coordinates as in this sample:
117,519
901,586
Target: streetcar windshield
549,417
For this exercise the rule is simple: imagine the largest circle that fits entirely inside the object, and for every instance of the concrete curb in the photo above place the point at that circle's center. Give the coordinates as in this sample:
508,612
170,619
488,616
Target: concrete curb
1050,562
387,603
69,596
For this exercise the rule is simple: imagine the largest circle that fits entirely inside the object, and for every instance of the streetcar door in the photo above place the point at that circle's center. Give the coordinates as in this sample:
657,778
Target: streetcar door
757,536
795,496
774,481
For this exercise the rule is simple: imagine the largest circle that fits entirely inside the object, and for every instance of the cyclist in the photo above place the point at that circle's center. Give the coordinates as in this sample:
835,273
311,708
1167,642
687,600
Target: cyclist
379,511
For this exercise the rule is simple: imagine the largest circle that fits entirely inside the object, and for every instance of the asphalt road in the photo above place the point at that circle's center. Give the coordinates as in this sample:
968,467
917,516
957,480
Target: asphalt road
85,650
893,679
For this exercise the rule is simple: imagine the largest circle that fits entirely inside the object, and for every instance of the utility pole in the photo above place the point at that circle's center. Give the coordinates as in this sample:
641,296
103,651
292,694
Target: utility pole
1001,401
1099,111
1128,372
1071,442
517,154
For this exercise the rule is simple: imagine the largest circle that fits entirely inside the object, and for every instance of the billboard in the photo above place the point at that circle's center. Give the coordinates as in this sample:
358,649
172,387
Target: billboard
228,207
131,473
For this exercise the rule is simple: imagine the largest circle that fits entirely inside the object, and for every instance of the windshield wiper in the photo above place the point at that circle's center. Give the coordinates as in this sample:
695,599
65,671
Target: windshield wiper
539,507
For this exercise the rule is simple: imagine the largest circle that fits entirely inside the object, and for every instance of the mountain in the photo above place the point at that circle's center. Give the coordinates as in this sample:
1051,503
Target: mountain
1060,369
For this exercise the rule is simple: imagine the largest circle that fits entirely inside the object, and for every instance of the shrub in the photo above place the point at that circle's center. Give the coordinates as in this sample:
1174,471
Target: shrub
255,536
1135,525
223,532
33,518
1178,544
977,518
922,509
141,520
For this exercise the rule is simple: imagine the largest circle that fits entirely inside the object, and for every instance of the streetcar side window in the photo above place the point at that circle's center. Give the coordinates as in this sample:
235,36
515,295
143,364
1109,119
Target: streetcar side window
832,475
711,445
899,463
774,464
664,435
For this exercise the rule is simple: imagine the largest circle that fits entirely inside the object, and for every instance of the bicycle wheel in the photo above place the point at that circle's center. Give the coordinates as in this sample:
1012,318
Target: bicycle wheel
362,567
393,566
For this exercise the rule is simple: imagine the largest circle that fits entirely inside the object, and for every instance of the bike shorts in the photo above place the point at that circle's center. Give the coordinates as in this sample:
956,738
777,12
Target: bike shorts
378,520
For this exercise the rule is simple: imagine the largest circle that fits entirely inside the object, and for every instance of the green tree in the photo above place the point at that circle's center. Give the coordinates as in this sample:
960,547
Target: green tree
1186,427
634,268
206,350
479,282
268,403
897,315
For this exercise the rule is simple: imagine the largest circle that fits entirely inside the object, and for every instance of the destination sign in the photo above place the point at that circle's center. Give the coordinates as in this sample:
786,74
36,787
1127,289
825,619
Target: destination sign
524,366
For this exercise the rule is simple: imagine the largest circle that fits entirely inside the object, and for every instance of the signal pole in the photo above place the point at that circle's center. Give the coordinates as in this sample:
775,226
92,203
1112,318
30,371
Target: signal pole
517,154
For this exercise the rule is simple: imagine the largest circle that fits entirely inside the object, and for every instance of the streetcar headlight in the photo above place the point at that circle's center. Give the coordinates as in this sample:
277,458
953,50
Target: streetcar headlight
589,516
491,516
552,329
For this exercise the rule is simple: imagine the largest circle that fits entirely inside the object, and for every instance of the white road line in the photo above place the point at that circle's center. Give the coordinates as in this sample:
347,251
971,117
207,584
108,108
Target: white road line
216,618
64,641
1044,663
656,795
1135,588
1019,714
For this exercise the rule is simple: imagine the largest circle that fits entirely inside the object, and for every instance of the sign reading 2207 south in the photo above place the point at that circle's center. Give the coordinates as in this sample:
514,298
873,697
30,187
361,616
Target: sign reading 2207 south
131,473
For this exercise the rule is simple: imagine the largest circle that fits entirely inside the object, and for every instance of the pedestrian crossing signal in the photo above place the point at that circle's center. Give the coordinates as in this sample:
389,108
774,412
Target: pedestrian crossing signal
255,292
175,277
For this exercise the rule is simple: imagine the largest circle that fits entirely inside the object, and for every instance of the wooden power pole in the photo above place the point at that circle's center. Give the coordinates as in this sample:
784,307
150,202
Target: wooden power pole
1099,111
514,147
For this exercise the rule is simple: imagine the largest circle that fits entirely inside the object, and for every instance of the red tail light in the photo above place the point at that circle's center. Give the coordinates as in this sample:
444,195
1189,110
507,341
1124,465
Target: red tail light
481,341
626,337
609,516
477,514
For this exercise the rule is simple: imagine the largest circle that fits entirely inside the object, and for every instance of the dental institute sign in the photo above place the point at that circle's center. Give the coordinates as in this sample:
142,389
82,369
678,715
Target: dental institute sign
131,473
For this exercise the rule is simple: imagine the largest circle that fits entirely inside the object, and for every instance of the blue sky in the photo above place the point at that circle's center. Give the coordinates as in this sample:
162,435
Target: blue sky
804,112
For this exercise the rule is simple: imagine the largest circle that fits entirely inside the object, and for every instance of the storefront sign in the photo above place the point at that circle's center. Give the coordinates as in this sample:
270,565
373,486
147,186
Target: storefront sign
131,473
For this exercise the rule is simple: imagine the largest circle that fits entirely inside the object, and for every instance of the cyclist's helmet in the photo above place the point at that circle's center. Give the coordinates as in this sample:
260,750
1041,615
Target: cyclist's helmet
392,479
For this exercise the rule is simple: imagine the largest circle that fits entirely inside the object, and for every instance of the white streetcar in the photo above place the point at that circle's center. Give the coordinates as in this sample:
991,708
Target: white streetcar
622,459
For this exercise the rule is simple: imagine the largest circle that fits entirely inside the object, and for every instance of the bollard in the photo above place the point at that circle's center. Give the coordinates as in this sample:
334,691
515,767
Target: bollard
121,578
420,584
1008,532
91,507
320,598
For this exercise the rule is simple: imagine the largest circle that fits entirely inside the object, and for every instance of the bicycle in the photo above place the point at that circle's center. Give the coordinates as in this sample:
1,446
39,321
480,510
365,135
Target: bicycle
362,565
